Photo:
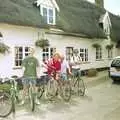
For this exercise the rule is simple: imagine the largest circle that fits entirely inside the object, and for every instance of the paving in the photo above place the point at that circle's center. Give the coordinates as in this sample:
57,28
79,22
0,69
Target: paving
101,76
61,110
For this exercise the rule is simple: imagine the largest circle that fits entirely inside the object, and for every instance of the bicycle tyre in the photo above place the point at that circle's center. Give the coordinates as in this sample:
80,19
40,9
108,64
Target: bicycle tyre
33,103
3,98
13,104
51,89
40,91
66,91
80,86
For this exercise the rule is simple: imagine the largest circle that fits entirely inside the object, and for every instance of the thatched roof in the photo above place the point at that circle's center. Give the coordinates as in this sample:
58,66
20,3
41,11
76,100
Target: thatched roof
20,12
75,16
80,17
1,34
115,32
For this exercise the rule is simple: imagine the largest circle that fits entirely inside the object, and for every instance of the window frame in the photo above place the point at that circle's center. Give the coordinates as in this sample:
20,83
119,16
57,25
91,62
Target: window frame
48,16
84,52
69,53
110,53
49,52
23,54
98,53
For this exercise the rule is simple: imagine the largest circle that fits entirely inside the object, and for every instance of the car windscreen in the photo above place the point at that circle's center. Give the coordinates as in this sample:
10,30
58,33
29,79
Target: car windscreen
115,63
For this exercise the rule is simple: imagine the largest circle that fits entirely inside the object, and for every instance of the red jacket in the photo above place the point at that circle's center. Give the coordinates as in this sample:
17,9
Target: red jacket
53,66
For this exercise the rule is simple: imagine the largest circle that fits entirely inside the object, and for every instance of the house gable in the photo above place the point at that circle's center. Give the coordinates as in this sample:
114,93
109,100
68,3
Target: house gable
47,3
105,23
47,10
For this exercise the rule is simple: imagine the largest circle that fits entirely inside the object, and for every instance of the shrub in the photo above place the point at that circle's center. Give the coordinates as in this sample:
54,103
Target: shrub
42,43
5,87
92,72
3,48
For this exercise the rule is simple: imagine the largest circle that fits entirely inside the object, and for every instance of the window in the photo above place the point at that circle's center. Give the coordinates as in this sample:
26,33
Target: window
110,53
48,15
48,53
69,53
98,53
84,54
20,54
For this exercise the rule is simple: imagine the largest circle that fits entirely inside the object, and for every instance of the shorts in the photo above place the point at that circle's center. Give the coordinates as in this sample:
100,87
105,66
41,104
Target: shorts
76,72
26,81
42,80
63,76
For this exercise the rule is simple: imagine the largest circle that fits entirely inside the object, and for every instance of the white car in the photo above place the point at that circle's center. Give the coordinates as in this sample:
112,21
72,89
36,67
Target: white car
114,71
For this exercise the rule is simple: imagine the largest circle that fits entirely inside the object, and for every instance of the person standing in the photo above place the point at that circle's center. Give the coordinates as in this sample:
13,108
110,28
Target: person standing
65,68
75,62
30,68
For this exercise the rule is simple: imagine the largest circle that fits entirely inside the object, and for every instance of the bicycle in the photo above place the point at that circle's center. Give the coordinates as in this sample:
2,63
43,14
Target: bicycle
41,83
55,87
77,83
31,92
8,99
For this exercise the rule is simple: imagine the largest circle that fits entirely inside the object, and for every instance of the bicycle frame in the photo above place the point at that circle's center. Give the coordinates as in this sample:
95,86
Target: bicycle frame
13,93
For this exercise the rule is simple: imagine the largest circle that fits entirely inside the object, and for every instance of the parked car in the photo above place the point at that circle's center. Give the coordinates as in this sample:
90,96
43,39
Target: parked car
114,70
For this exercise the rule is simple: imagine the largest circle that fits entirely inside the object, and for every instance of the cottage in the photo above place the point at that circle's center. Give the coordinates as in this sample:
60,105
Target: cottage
57,25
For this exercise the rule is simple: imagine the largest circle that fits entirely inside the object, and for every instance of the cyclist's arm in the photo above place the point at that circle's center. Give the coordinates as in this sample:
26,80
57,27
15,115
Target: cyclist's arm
68,67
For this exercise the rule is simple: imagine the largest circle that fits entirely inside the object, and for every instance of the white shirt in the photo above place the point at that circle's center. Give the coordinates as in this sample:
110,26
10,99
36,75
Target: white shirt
64,66
75,60
43,69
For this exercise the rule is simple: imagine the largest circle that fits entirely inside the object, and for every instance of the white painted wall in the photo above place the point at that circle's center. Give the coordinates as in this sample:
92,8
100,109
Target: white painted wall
26,36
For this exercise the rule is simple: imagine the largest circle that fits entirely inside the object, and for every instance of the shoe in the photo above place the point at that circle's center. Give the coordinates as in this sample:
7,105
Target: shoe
59,97
22,102
37,102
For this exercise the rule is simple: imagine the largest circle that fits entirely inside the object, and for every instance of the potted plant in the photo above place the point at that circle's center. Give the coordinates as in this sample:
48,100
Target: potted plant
96,45
3,48
109,46
42,43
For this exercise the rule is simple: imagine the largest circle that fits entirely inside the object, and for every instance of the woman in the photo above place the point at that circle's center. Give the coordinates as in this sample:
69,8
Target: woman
54,66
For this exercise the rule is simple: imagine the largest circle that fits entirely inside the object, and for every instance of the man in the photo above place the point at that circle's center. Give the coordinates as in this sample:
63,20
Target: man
75,62
30,70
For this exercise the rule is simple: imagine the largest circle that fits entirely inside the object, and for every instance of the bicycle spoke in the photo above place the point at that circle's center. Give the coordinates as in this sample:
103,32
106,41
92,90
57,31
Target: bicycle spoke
81,87
66,91
51,89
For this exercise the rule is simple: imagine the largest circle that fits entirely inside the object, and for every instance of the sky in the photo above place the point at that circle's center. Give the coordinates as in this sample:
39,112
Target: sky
112,6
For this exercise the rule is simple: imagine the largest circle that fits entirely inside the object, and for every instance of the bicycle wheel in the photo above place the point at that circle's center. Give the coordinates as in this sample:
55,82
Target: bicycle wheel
40,91
79,87
51,89
66,90
5,104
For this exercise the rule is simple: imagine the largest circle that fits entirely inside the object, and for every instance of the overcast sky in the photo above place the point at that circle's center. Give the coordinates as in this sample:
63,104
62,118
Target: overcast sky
111,5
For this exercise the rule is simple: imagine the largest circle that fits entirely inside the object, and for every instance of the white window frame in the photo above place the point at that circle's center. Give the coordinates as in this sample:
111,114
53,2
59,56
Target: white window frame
48,54
48,8
98,53
110,53
69,52
23,54
84,54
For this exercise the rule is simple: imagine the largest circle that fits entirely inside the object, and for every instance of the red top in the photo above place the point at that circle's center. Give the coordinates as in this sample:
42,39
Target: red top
53,66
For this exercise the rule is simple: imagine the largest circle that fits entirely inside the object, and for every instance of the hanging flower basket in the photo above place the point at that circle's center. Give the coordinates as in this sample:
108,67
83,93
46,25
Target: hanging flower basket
42,43
3,48
96,45
109,46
